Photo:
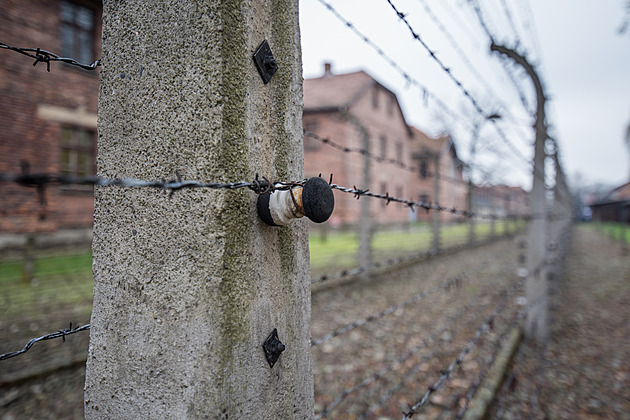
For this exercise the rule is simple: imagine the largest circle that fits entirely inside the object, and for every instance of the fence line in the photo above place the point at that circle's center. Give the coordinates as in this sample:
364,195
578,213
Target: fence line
413,371
469,64
41,180
484,26
43,56
395,162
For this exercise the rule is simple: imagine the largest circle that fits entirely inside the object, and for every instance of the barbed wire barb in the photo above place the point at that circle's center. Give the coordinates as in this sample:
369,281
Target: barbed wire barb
43,56
57,334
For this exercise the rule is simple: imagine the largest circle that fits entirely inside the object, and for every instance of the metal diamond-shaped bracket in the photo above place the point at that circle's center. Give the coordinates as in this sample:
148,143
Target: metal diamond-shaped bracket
273,348
265,63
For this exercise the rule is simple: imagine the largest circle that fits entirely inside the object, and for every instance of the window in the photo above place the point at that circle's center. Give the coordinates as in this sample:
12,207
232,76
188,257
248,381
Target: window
383,145
375,97
392,104
399,152
311,143
424,198
77,32
424,169
77,152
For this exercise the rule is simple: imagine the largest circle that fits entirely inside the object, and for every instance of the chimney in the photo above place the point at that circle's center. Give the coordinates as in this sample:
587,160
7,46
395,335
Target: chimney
327,70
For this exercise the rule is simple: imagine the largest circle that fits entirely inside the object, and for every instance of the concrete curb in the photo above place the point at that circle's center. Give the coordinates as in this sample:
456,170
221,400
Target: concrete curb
486,393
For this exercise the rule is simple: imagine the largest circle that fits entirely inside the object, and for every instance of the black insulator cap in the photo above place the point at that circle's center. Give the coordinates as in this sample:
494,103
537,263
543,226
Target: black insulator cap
263,209
318,200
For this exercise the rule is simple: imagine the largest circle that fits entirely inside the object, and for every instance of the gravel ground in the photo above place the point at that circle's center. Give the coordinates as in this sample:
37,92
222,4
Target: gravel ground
434,310
584,371
395,358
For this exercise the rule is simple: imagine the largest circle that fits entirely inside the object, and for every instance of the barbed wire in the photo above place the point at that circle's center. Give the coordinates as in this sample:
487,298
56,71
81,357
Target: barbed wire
380,159
358,193
398,362
361,151
510,20
42,179
477,10
43,56
57,334
412,169
426,92
391,262
461,22
460,51
446,375
458,83
508,384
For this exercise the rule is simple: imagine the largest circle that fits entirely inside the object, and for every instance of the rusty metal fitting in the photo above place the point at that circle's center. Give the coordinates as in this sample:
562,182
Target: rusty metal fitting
314,200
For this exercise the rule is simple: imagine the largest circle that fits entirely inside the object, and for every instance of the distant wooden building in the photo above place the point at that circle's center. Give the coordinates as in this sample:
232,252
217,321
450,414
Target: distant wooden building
615,207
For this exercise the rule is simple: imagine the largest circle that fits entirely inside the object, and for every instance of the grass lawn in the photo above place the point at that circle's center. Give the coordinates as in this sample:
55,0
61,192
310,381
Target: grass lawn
65,281
618,231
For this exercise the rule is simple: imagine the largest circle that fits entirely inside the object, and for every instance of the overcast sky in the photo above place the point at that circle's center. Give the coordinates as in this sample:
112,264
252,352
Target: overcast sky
583,61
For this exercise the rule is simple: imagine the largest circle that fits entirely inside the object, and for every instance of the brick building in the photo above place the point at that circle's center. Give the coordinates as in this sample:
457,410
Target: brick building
48,119
356,111
438,156
500,201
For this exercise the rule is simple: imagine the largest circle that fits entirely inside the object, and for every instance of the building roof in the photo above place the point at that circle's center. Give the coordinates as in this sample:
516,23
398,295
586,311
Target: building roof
424,144
338,92
619,194
334,92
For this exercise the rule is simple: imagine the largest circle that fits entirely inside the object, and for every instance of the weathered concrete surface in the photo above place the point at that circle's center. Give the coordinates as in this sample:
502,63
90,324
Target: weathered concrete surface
188,287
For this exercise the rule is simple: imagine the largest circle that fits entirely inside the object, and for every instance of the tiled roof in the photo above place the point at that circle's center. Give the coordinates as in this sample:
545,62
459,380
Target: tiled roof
335,91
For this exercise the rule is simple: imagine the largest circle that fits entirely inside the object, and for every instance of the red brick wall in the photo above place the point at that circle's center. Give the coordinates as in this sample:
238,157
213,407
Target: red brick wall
24,136
380,117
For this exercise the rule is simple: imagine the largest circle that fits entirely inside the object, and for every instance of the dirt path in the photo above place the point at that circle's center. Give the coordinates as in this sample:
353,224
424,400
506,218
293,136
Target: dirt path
586,371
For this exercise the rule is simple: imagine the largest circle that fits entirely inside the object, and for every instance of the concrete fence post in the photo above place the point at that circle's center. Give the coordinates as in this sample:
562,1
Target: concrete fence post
366,230
536,287
435,247
189,286
471,218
